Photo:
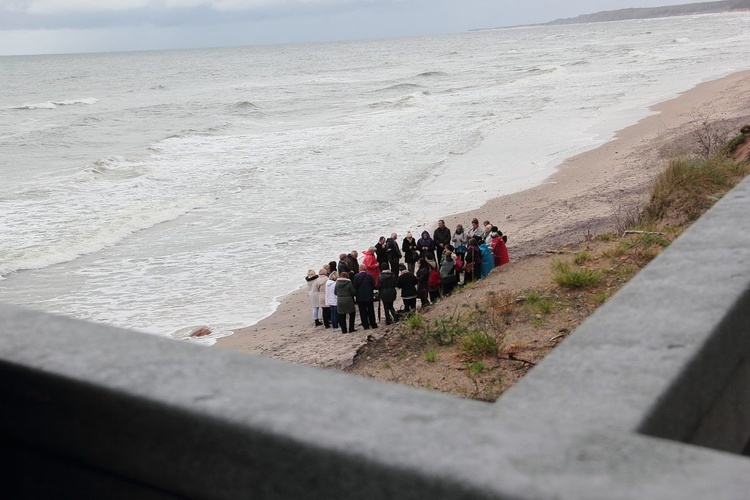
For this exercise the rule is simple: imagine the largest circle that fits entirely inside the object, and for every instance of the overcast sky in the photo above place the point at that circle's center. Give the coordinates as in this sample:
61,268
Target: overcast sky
63,26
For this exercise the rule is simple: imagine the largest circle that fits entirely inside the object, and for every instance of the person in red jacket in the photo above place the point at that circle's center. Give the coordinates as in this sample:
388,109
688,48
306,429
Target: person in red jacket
499,249
371,263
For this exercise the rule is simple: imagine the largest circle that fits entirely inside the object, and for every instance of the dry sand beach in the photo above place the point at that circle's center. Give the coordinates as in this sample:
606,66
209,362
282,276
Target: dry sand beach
581,198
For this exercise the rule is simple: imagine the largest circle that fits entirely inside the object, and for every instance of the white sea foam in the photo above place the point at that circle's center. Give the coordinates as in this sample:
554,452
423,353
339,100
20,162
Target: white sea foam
204,202
55,104
41,105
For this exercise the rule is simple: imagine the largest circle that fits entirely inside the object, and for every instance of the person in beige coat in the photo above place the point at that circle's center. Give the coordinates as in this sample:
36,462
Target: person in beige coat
311,278
320,287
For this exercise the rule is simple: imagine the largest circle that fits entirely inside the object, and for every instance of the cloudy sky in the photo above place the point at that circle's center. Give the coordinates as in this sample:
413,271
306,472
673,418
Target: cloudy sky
62,26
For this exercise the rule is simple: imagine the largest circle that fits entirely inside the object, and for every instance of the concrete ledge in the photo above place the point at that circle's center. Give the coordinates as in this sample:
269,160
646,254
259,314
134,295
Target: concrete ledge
90,410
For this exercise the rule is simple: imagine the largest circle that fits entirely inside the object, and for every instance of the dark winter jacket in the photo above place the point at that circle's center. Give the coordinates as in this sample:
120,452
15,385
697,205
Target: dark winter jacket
391,248
407,282
426,246
442,235
380,253
343,267
473,254
345,294
364,284
409,248
387,286
352,264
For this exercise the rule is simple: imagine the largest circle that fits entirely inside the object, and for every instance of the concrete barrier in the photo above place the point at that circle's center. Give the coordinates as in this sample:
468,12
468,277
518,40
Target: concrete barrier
649,398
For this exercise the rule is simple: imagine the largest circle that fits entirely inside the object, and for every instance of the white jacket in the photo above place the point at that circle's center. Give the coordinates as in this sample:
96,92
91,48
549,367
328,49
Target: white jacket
331,298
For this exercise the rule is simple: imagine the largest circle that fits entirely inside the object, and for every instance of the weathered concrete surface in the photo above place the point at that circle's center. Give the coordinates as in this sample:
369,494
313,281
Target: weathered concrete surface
89,410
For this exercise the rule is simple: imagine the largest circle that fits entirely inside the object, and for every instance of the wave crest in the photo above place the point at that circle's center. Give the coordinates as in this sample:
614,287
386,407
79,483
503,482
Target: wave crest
246,105
399,86
56,104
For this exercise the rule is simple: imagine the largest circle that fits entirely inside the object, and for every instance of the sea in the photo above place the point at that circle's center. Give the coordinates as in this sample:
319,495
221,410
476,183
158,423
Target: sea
164,190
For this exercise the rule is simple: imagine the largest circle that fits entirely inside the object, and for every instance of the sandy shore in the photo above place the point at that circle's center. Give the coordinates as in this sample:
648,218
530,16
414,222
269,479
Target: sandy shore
583,196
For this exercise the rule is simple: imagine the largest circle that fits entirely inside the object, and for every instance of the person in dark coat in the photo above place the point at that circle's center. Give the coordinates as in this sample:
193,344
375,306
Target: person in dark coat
345,299
342,266
387,287
394,253
352,262
380,252
473,261
423,276
442,236
426,246
364,284
408,283
410,251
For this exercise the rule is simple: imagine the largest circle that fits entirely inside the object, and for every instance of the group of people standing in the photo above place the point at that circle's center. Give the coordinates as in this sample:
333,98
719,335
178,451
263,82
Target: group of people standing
425,269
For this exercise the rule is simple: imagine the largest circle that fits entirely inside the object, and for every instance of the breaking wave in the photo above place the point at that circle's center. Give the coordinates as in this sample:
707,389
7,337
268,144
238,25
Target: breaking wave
56,104
246,105
399,86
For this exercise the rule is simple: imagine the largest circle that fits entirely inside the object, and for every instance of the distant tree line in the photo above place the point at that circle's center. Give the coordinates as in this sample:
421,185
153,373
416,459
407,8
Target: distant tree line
652,12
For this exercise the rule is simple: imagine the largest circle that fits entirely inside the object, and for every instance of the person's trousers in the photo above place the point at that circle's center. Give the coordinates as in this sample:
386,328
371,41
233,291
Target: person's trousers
326,316
390,312
334,316
410,304
393,263
343,319
367,314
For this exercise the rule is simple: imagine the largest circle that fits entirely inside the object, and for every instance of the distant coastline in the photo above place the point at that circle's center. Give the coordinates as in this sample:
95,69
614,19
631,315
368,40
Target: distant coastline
690,9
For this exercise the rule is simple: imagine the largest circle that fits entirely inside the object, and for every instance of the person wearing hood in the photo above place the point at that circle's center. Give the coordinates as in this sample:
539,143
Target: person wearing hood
312,292
371,263
499,249
387,288
426,246
330,299
345,298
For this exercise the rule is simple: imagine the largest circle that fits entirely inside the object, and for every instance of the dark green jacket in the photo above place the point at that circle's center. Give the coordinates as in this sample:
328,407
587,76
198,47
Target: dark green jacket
344,296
